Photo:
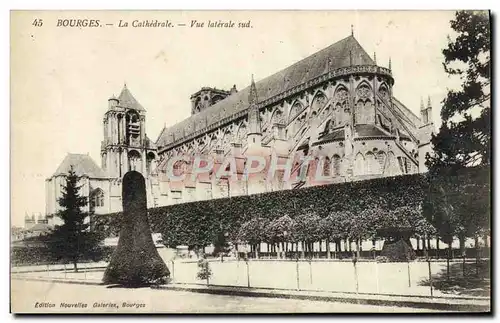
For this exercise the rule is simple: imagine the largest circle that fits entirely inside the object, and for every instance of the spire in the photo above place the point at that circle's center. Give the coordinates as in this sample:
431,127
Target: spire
352,30
390,64
422,107
375,57
252,96
429,102
253,114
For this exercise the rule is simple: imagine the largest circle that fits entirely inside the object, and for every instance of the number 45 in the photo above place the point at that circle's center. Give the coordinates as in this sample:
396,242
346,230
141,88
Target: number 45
37,23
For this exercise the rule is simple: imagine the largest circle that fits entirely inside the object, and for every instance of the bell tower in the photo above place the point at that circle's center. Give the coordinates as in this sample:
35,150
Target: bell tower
125,146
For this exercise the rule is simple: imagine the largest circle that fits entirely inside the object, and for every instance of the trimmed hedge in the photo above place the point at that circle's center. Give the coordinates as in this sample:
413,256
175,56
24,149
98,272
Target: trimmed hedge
199,223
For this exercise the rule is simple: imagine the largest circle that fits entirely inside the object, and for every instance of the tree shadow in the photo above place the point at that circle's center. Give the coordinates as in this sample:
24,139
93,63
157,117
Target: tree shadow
136,285
471,280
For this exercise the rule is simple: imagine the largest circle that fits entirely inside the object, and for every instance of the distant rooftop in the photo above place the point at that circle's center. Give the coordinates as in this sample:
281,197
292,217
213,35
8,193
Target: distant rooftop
82,165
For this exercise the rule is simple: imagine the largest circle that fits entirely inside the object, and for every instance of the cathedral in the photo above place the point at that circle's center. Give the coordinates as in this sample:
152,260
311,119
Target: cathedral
336,105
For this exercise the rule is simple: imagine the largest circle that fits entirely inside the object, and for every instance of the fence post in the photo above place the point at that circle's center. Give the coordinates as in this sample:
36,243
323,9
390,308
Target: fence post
248,273
354,261
409,276
207,267
310,271
408,267
173,270
430,275
297,270
64,270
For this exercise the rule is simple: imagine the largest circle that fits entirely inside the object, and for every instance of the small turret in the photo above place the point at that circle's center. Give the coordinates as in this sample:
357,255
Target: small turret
233,89
429,110
112,102
423,111
426,112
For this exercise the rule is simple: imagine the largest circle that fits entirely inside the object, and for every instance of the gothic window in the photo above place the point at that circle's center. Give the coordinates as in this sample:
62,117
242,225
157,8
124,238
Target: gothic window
96,199
341,104
278,117
381,157
326,167
371,164
403,165
341,94
359,164
336,165
295,110
134,161
383,92
364,111
363,92
318,103
150,162
178,168
242,132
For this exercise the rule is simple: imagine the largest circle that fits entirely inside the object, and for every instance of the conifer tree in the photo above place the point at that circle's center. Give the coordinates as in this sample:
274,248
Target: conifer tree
464,138
72,240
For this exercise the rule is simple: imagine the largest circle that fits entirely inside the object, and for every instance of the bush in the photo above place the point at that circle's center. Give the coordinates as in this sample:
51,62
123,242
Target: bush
204,271
398,251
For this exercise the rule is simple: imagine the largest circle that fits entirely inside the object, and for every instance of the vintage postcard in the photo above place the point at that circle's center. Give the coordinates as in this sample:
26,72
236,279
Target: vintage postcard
250,161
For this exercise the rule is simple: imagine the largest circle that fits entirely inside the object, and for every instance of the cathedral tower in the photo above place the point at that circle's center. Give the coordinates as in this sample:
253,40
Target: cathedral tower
125,146
207,97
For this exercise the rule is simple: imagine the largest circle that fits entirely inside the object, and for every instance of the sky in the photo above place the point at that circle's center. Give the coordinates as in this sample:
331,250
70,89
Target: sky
61,78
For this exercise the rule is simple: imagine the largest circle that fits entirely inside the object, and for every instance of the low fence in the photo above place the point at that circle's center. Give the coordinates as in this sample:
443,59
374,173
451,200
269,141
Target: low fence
417,278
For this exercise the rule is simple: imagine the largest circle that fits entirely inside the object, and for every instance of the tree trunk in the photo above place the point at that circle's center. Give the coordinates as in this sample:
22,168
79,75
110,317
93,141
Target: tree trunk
418,243
437,247
257,251
75,266
302,251
476,245
327,248
461,238
448,261
424,245
358,246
